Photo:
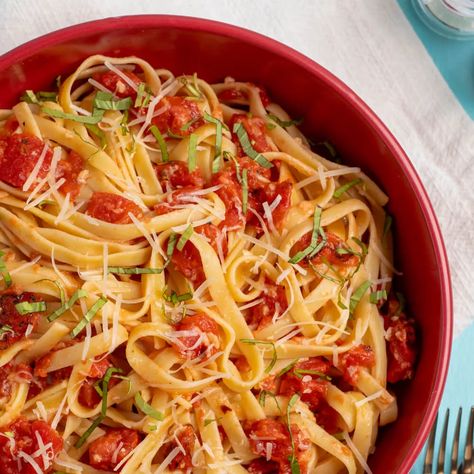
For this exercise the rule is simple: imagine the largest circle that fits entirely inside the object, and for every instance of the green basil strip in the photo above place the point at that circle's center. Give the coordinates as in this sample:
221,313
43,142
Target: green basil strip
357,295
25,307
148,409
244,140
88,316
68,305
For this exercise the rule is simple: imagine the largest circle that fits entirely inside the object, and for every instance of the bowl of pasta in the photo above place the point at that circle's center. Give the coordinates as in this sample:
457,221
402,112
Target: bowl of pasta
214,258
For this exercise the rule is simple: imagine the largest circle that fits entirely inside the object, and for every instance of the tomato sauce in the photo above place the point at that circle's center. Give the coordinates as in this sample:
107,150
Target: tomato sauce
309,379
24,439
183,461
256,131
112,208
401,343
188,261
175,174
181,117
17,323
10,374
114,83
328,252
274,304
204,342
352,361
19,154
109,450
262,433
69,170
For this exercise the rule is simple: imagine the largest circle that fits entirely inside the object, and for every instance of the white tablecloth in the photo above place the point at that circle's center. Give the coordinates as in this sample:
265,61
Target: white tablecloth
367,43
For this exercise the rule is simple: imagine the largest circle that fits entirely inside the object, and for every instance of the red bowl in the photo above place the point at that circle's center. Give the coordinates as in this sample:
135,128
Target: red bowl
331,111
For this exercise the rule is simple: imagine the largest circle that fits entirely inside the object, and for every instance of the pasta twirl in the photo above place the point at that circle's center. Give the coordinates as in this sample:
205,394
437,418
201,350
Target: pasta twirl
188,286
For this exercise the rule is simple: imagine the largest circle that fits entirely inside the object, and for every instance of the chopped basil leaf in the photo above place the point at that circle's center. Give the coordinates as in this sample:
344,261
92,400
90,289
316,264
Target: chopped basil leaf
89,431
95,130
313,248
143,95
186,126
88,316
174,298
68,305
262,398
211,420
287,368
134,270
344,188
245,191
4,329
31,98
26,307
4,271
244,140
171,244
193,88
285,123
185,237
295,467
378,295
161,142
387,225
331,150
147,409
268,343
192,152
90,119
218,145
301,372
357,295
106,101
401,303
46,202
361,245
173,135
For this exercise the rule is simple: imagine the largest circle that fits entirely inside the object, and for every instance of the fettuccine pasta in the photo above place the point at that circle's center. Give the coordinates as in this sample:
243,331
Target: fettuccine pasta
189,284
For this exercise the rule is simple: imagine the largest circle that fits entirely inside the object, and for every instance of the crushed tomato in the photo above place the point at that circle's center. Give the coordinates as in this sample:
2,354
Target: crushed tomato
188,261
108,450
262,433
19,154
233,94
175,174
308,378
256,131
183,461
274,304
174,199
401,343
10,374
177,115
18,323
69,170
117,85
205,338
352,361
328,252
24,434
112,208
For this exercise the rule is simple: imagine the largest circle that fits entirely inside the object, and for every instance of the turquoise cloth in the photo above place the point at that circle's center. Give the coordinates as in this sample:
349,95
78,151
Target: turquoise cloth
454,58
458,393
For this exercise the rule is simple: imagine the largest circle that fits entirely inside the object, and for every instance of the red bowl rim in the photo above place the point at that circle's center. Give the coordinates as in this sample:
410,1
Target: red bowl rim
26,50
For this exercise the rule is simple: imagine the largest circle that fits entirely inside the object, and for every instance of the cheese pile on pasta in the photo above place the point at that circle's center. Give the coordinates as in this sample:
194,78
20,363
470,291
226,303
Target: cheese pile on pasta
187,285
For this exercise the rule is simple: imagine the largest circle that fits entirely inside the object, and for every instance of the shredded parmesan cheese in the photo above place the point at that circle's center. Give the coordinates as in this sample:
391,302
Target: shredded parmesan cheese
370,398
356,452
34,173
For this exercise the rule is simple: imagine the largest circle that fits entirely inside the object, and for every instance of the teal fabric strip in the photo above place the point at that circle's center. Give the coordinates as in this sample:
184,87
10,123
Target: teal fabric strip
458,393
454,58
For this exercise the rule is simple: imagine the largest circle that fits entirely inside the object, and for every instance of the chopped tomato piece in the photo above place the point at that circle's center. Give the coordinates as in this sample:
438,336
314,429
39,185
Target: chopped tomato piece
23,436
175,174
256,131
352,361
188,261
328,252
181,116
69,170
117,84
19,154
309,379
88,395
272,436
273,305
175,199
112,208
183,461
401,344
108,450
13,323
10,374
9,126
262,466
327,417
233,94
200,336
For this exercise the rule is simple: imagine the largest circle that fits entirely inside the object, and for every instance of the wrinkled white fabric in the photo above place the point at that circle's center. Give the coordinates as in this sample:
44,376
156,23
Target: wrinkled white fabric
370,45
